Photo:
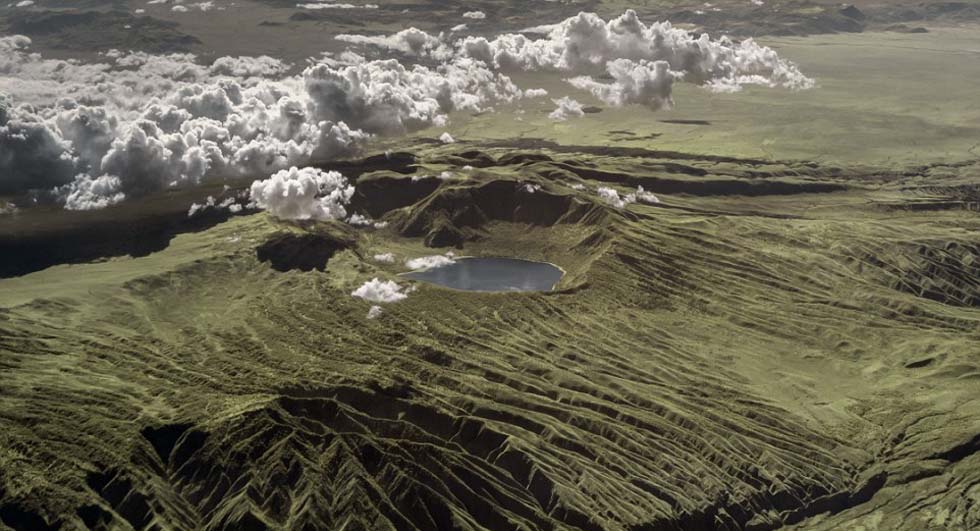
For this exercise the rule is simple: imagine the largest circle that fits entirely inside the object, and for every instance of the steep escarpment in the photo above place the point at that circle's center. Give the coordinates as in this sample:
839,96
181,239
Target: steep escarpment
458,213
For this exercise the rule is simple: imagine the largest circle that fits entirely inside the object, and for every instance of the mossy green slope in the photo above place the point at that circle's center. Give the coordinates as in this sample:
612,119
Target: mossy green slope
801,356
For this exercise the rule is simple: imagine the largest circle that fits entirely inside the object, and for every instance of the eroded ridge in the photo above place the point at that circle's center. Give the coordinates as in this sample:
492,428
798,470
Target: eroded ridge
706,367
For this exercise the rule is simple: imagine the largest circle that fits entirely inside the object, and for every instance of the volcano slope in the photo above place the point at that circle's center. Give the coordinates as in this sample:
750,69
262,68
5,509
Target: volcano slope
773,345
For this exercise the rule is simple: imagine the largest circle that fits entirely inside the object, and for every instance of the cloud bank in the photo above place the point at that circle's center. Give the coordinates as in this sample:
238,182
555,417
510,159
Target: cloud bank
588,45
89,135
642,60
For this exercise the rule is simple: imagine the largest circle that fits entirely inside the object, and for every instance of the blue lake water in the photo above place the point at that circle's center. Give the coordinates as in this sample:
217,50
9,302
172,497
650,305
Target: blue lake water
492,274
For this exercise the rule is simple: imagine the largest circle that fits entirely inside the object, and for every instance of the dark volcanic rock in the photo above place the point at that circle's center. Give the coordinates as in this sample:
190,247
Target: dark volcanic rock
99,30
850,11
305,252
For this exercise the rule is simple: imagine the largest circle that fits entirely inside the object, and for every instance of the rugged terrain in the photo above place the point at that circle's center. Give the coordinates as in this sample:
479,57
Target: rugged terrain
776,344
788,340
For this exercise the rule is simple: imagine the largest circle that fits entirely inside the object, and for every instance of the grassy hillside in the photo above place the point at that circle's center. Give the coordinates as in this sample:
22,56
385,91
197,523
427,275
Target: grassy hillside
774,344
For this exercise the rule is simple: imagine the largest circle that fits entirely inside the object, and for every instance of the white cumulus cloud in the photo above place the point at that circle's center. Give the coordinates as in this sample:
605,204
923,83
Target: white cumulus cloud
387,97
429,262
411,41
644,196
149,122
586,43
642,83
86,193
91,134
306,193
567,108
380,291
612,197
330,5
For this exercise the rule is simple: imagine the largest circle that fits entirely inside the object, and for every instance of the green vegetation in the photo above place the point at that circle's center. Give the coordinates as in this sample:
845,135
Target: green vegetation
883,99
773,344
